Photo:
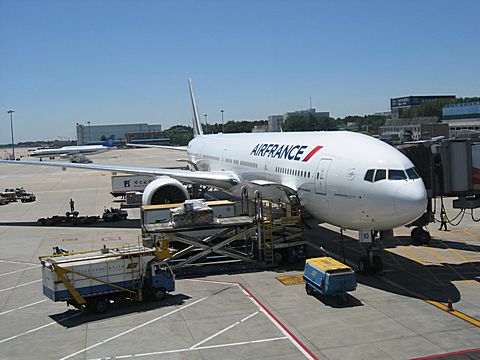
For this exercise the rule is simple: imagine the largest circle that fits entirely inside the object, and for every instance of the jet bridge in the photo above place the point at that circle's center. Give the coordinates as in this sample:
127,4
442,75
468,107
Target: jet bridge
449,168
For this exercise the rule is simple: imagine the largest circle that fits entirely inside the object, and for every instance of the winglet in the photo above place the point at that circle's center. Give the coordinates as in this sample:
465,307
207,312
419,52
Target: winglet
197,126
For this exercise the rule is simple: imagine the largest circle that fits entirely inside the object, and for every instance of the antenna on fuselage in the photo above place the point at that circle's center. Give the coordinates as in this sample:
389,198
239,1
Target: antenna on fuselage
197,126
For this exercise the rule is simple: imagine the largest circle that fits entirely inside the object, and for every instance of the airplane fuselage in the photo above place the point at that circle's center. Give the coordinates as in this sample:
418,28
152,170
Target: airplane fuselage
328,170
70,150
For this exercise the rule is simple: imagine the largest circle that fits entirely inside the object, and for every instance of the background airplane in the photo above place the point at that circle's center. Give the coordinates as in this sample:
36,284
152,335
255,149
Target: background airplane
67,151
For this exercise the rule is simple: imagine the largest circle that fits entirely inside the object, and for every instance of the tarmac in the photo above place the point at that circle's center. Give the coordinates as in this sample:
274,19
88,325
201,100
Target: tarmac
400,313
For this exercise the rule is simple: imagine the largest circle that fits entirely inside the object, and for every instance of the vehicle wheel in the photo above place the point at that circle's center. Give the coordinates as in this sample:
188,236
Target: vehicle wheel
377,265
277,258
100,306
308,289
363,265
423,237
159,294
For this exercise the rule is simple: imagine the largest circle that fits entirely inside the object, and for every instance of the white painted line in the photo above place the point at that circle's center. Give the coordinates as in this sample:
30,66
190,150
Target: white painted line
17,262
192,349
132,329
265,311
16,286
12,272
223,330
279,327
22,307
38,328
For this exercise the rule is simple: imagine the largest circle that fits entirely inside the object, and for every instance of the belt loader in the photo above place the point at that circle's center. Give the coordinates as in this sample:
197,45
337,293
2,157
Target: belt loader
93,279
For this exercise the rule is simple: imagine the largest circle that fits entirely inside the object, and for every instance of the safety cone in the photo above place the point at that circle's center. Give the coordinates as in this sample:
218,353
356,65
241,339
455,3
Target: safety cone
450,305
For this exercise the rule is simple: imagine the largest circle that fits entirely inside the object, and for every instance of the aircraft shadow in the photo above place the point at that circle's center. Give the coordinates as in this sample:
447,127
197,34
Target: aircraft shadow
401,275
116,310
122,224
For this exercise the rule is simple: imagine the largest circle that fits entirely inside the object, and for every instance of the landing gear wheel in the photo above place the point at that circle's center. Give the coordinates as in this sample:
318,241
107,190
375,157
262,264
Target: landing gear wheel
100,306
414,234
364,265
420,236
159,294
377,264
423,237
308,289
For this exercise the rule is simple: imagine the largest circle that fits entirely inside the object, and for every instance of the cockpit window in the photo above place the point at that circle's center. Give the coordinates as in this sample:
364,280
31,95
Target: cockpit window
381,174
369,175
396,175
412,174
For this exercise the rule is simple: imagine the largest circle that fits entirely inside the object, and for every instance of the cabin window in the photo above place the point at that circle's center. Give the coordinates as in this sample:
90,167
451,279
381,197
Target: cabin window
412,174
381,174
369,175
396,175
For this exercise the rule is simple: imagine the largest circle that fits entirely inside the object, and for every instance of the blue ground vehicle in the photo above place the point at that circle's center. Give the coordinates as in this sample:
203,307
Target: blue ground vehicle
328,277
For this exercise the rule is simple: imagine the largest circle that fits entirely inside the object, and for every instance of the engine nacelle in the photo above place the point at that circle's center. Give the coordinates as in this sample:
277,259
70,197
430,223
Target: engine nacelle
164,190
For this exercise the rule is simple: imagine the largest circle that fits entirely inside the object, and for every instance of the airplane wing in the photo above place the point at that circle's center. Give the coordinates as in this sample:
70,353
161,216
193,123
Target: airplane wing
282,187
179,148
222,179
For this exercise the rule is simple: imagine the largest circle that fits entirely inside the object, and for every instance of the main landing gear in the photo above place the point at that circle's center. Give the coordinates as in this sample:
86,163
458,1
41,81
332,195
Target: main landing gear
420,236
371,263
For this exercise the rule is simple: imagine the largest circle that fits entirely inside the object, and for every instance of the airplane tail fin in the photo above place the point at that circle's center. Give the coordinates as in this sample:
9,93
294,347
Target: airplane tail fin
110,141
197,126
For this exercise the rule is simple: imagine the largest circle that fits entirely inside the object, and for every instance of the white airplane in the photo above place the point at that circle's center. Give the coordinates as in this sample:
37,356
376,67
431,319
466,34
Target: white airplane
347,179
66,151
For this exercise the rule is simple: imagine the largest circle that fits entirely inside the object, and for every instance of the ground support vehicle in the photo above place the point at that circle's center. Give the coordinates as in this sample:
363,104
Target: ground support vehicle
123,183
28,197
69,218
3,201
10,196
113,214
92,280
329,277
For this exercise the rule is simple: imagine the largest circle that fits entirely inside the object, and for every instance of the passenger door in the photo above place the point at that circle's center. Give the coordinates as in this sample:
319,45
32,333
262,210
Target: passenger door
321,176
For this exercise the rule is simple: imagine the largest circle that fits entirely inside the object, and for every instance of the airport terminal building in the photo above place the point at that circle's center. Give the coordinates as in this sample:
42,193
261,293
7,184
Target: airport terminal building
93,134
462,118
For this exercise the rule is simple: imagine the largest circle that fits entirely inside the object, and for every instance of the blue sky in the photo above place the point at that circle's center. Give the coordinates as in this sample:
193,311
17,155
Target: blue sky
63,62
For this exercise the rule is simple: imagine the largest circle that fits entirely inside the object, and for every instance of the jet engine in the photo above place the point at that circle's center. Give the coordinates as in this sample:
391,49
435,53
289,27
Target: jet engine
164,190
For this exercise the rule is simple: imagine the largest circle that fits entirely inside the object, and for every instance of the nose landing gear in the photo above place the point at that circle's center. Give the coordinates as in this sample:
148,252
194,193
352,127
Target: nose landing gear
371,263
420,236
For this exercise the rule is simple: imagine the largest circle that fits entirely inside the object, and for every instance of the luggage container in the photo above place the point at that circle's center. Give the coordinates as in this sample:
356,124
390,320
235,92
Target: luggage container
329,277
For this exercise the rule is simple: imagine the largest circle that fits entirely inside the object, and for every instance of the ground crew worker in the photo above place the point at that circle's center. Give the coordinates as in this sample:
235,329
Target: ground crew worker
72,205
444,220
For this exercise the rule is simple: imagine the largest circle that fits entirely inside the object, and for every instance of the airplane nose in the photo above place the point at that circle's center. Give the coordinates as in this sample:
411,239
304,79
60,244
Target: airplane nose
411,200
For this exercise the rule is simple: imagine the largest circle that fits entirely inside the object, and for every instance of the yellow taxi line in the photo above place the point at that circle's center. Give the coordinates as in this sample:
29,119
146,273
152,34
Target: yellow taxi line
456,313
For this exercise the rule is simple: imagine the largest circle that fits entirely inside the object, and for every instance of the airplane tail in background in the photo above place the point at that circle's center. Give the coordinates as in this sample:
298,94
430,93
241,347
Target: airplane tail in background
197,126
110,141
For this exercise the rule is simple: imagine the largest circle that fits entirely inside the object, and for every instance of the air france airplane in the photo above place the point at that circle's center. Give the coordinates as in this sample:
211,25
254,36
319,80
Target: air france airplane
347,179
67,151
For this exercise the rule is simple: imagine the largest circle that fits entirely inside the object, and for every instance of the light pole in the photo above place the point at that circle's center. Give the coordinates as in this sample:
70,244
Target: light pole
223,130
206,123
11,130
88,122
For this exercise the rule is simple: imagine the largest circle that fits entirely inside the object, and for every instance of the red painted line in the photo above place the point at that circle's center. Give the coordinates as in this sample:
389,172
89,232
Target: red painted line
448,354
280,323
311,153
297,340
